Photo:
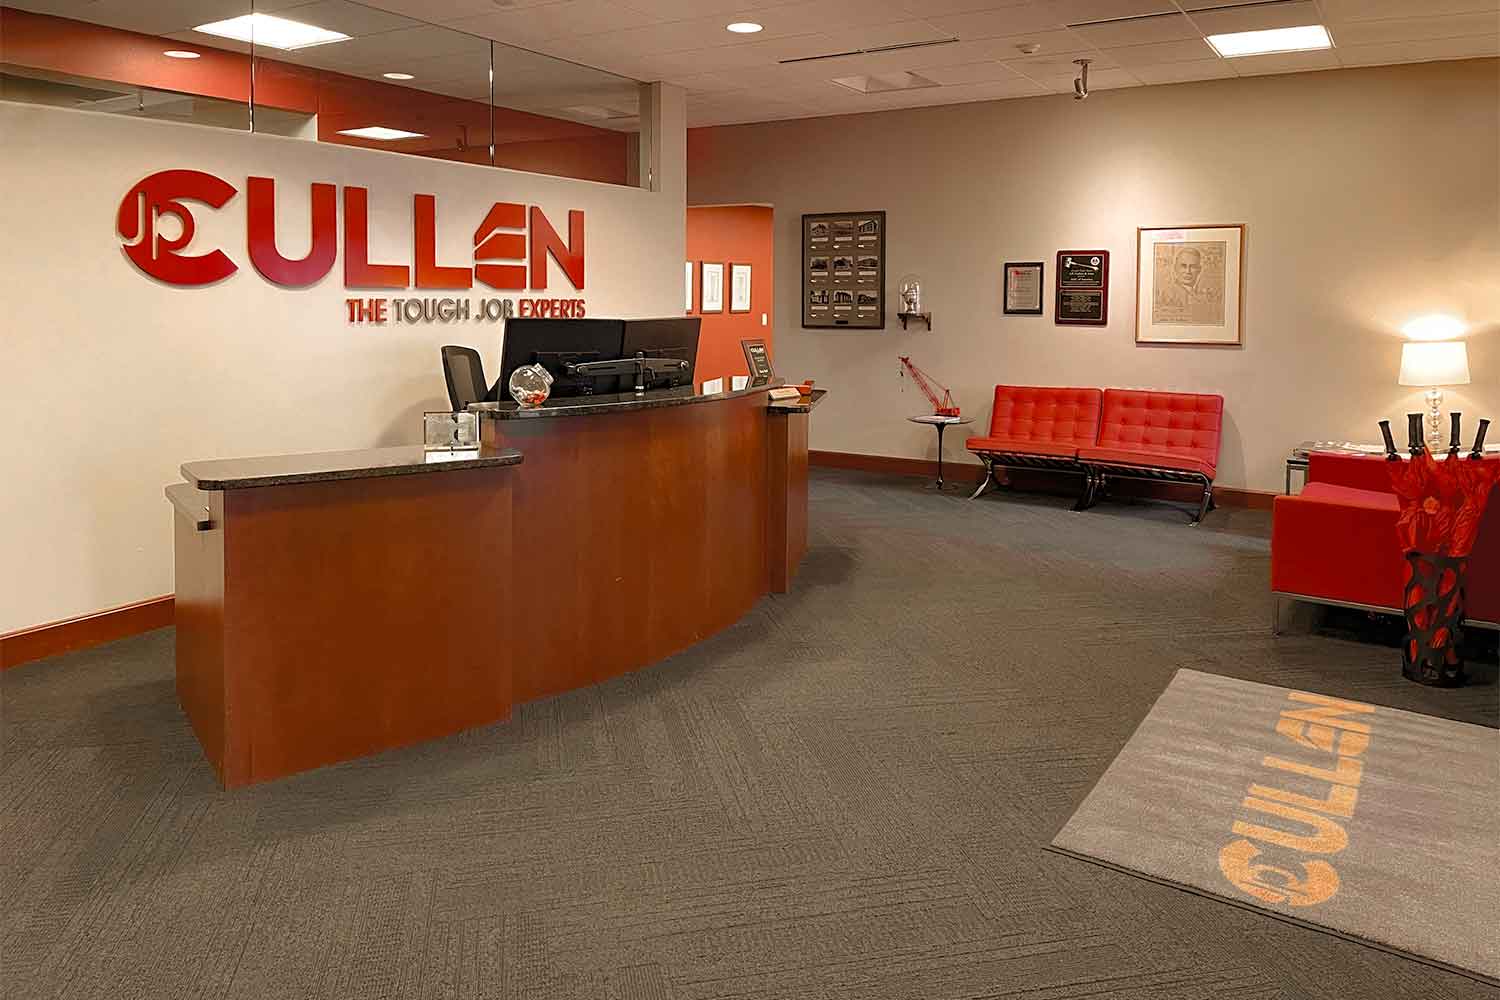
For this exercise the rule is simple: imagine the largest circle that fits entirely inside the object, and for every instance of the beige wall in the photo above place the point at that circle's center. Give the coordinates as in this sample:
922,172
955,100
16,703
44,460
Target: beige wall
109,381
1371,196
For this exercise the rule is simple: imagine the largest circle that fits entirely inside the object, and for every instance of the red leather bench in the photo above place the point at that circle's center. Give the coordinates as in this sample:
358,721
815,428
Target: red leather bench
1335,543
1116,433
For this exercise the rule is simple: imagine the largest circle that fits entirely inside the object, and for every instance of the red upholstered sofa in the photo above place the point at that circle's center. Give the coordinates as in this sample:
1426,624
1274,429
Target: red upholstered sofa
1335,543
1116,433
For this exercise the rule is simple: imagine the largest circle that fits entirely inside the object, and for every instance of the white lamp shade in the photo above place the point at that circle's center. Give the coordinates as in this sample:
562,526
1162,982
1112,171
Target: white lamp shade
1433,363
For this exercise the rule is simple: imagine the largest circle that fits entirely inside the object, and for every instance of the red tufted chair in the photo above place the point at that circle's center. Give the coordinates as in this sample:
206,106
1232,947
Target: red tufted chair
1172,436
1037,427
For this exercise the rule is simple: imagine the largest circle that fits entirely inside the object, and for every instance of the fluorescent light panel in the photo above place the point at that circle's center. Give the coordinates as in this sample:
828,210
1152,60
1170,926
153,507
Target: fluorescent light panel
1258,43
274,32
381,132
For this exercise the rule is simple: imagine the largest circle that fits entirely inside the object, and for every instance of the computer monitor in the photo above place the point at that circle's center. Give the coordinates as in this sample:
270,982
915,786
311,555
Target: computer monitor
674,337
554,344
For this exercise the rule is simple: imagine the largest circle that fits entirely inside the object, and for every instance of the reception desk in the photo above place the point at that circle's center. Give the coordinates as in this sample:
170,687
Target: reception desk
332,606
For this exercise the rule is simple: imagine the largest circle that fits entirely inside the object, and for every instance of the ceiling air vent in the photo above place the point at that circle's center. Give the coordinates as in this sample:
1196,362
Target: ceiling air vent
883,83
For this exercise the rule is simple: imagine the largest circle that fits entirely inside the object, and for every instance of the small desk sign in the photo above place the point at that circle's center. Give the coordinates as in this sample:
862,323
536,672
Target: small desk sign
450,432
759,361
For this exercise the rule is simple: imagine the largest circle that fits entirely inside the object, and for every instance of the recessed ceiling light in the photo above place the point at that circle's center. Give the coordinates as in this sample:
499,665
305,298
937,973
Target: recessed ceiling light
180,54
744,27
398,76
1259,43
275,32
381,132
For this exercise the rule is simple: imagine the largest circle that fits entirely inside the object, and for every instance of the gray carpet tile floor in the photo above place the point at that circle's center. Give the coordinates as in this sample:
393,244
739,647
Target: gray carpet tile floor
847,795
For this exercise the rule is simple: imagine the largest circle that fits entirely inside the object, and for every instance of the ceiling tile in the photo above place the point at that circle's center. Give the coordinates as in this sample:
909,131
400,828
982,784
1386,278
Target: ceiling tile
1141,31
947,8
1001,21
1414,29
1186,50
1104,79
1182,72
1038,66
570,18
1368,10
1257,17
1284,62
1083,11
1474,47
982,72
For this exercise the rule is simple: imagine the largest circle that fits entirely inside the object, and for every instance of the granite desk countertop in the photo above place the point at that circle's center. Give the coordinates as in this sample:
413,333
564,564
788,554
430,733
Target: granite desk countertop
328,466
798,405
622,402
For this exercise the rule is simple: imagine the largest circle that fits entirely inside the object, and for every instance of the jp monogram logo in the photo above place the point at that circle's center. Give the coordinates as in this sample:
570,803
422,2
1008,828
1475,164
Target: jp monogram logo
510,232
162,194
1332,730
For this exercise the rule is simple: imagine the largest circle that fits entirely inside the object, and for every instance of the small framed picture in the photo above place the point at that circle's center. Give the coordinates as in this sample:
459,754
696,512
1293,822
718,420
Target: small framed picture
1188,283
711,289
688,287
1023,289
739,288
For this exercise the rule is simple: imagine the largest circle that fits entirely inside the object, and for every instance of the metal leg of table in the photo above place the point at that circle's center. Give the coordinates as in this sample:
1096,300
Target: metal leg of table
940,429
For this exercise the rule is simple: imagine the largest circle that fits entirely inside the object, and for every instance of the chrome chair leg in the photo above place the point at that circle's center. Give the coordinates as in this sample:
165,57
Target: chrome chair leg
988,480
1206,505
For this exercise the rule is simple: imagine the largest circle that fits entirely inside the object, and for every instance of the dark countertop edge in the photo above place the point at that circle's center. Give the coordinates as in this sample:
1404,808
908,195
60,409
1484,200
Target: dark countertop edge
202,476
798,405
619,403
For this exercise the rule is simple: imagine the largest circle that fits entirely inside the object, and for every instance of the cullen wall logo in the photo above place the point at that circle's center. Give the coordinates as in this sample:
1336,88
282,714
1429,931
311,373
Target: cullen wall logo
511,247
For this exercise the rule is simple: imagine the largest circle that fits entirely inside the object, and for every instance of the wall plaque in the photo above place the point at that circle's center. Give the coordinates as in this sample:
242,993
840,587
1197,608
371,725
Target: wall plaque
1082,288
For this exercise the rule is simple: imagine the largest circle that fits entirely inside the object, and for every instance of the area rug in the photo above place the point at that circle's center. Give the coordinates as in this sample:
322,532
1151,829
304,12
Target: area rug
1379,825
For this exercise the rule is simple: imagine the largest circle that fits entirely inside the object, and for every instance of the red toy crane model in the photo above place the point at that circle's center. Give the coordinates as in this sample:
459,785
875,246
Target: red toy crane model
944,407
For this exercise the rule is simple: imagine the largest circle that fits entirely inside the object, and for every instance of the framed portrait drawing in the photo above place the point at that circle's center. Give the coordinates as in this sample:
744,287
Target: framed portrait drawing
711,289
739,288
1023,289
1189,283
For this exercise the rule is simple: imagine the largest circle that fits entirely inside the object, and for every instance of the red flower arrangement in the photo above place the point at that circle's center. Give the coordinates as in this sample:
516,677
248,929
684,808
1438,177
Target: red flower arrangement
1442,503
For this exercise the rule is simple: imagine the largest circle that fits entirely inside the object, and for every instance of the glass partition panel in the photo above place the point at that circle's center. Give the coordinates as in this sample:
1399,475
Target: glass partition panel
127,59
329,71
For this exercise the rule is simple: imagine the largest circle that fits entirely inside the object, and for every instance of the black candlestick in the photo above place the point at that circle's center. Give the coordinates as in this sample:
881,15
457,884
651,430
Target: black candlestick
1391,454
1455,417
1414,440
1478,451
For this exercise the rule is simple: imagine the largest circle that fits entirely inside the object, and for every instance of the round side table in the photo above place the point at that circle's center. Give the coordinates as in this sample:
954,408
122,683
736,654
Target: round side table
942,424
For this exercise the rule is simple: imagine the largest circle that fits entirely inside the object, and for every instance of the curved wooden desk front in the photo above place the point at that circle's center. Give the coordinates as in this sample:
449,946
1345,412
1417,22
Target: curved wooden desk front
641,528
332,606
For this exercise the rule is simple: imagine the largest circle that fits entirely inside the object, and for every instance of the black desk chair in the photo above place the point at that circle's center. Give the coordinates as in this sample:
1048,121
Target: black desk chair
464,373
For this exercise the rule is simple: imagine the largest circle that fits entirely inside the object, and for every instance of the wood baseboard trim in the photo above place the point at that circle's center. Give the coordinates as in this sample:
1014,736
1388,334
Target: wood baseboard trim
74,634
1039,480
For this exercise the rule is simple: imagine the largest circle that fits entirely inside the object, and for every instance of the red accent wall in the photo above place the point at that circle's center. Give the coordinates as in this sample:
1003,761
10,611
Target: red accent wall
733,234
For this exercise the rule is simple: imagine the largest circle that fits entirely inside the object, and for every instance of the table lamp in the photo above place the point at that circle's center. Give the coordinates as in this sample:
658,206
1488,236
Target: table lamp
1432,365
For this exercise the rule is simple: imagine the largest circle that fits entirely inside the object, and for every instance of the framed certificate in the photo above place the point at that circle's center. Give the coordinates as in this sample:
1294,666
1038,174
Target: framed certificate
1023,289
1082,288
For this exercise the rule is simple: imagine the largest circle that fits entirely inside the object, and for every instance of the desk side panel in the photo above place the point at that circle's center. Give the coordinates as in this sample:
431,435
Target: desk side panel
198,562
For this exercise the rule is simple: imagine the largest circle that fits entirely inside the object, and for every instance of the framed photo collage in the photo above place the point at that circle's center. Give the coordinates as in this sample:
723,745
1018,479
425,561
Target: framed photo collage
843,270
